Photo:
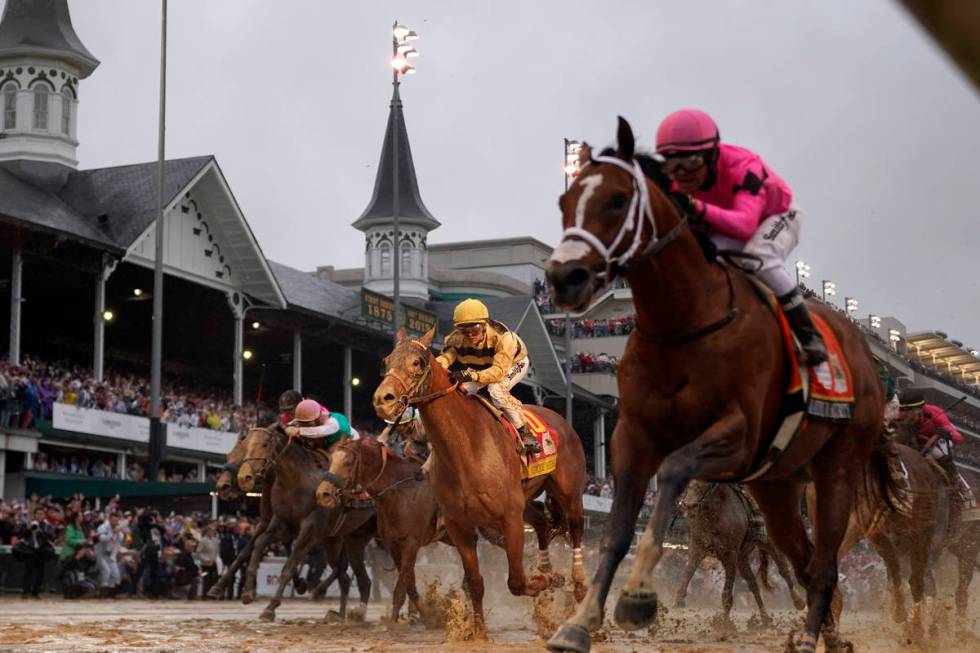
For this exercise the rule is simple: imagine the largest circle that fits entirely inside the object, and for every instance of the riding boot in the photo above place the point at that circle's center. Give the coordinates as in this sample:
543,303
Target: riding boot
814,350
530,440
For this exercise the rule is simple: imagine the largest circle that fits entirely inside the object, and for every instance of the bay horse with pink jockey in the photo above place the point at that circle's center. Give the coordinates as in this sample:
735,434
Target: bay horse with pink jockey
701,386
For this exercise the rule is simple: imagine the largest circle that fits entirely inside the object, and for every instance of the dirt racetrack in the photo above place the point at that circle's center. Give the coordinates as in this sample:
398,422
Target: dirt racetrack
58,626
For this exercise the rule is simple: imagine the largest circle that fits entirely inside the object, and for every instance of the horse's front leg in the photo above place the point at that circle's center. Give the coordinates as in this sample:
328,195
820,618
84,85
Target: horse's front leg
274,533
633,462
301,545
713,453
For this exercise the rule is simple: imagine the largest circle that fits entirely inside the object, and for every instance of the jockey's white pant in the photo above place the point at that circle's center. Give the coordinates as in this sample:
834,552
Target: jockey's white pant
892,410
500,392
938,450
774,240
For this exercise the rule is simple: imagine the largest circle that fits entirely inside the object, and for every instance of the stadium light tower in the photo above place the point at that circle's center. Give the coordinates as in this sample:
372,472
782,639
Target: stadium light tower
874,321
895,336
850,304
829,289
802,272
401,52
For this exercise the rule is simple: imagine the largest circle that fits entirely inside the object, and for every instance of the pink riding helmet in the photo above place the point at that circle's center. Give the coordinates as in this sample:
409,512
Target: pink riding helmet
687,130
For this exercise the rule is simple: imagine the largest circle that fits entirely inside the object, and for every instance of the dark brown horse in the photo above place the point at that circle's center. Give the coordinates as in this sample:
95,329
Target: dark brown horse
296,515
407,509
476,472
916,526
701,385
721,527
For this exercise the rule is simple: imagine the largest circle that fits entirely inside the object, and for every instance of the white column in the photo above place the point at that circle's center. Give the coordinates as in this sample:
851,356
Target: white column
121,465
236,304
238,366
202,472
29,460
599,444
298,362
99,348
16,300
214,505
348,376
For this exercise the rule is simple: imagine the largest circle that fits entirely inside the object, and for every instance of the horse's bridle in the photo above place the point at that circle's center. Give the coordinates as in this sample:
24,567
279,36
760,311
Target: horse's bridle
638,213
416,384
268,464
352,448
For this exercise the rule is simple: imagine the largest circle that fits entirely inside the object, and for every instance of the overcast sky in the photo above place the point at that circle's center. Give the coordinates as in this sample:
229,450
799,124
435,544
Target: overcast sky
850,102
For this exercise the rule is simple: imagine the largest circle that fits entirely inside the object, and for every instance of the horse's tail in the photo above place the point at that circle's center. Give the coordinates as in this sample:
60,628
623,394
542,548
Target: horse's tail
764,570
880,486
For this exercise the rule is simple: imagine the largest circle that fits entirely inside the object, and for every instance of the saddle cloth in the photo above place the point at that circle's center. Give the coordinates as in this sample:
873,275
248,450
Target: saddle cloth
831,392
544,462
824,392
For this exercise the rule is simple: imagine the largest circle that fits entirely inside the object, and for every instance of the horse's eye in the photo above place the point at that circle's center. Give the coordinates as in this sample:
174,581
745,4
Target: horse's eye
618,202
416,362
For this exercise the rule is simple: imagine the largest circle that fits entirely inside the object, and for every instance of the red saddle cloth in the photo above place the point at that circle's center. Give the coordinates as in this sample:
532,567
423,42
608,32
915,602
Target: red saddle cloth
829,394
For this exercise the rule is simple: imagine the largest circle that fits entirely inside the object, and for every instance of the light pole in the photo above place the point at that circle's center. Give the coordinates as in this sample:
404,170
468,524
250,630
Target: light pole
850,305
829,289
874,322
401,52
571,168
802,272
158,442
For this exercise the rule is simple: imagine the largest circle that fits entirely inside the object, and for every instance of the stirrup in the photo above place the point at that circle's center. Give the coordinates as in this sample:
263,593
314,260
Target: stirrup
531,446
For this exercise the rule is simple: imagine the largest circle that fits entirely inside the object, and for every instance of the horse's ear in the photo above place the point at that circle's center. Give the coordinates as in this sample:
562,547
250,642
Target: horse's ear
625,141
427,338
402,334
584,155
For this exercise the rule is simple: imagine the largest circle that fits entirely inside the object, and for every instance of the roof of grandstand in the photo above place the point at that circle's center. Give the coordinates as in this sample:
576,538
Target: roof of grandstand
937,350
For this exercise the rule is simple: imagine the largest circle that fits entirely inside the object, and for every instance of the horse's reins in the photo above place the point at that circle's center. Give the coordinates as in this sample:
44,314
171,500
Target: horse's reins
341,484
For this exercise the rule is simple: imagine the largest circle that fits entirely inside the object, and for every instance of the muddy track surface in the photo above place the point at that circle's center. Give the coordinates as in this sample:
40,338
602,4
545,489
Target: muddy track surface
128,626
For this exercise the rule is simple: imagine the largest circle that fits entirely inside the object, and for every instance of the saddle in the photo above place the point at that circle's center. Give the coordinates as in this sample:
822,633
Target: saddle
531,464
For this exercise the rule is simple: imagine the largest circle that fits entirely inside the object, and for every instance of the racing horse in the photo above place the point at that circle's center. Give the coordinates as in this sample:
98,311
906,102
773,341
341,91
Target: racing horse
701,384
721,526
227,488
913,523
476,471
297,517
407,509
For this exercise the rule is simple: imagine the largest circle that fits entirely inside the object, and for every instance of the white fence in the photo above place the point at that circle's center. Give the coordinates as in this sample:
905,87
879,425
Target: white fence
137,429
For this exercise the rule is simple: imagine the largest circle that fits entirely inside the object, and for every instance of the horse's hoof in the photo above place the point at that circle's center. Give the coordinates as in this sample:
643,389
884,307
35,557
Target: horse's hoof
580,591
536,584
300,586
798,602
635,611
215,592
680,603
332,617
268,615
570,638
247,597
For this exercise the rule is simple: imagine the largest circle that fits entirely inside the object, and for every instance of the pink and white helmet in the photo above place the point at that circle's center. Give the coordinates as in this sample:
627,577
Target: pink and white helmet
687,130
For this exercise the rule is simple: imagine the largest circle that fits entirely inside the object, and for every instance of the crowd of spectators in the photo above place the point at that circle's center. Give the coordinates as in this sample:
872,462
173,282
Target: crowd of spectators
29,390
585,362
614,326
113,552
542,294
96,465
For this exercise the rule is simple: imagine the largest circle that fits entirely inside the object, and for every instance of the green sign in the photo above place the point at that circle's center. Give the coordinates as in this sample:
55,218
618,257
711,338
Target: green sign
375,306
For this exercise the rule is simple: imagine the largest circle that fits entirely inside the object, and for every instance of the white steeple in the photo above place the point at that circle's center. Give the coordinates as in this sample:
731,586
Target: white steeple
41,62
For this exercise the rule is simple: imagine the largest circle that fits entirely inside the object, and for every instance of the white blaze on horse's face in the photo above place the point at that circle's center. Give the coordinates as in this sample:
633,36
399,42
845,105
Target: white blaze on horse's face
573,250
590,183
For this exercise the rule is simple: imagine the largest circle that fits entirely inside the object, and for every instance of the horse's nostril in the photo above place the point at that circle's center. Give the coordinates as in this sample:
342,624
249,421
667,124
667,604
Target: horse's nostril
389,397
576,278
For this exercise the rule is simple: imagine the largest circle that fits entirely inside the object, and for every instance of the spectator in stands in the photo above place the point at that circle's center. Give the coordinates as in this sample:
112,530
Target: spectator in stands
109,542
207,554
79,573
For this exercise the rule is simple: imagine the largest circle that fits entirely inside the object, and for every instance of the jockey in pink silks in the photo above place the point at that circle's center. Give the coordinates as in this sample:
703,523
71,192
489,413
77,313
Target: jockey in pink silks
743,204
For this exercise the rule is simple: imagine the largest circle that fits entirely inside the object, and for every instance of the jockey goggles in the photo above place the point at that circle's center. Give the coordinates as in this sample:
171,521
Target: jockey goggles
675,162
471,329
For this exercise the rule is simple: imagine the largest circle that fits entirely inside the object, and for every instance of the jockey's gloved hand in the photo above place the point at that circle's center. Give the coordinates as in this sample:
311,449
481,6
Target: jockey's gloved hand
462,376
692,208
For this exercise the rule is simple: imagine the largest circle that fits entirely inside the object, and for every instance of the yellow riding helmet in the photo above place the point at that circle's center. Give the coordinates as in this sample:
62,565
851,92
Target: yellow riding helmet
469,311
